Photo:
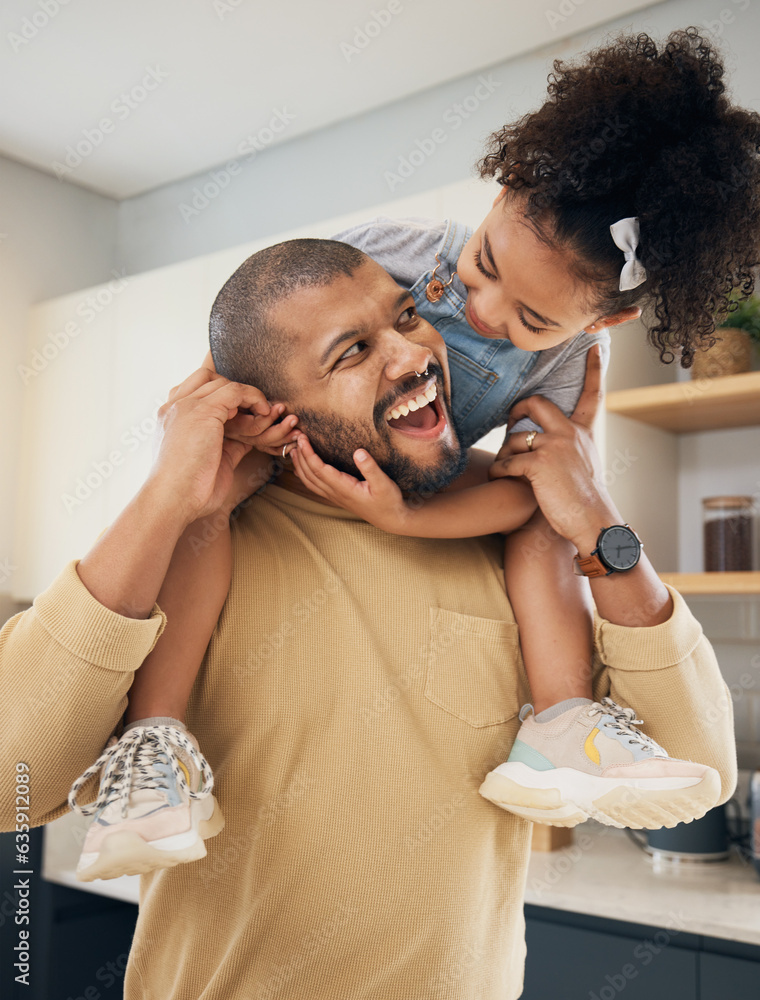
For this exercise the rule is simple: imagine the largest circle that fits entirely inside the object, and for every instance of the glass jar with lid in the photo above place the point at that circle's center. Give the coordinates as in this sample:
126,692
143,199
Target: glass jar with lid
728,523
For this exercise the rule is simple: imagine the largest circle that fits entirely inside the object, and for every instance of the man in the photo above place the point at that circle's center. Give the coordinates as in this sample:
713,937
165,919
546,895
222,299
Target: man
357,689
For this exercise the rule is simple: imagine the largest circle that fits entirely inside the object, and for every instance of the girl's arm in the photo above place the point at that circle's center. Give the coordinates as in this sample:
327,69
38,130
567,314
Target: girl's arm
478,510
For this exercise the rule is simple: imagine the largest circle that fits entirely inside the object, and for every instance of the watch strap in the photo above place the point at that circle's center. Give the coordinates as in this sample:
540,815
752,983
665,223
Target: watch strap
590,566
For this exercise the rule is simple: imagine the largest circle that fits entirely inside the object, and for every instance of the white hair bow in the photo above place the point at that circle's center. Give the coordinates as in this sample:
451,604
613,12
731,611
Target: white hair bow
625,233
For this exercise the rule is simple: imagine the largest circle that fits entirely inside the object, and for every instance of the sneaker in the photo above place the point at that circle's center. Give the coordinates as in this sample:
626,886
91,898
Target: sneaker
146,815
590,762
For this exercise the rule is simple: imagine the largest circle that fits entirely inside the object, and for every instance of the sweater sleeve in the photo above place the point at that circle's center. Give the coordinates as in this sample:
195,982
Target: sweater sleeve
669,674
66,666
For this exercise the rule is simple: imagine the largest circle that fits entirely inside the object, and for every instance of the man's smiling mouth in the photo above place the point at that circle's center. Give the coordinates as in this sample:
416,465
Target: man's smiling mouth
419,414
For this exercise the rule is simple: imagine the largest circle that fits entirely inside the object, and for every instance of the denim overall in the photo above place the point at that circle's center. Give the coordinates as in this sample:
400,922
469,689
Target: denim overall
486,375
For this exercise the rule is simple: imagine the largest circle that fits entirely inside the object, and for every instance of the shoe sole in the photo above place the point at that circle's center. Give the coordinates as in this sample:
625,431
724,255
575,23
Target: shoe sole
565,797
126,853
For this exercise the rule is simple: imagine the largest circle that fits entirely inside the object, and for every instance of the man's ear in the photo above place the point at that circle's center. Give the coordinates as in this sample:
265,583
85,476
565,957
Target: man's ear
624,316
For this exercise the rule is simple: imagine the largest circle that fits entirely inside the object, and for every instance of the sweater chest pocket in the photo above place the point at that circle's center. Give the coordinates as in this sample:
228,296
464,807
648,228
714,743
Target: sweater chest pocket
474,668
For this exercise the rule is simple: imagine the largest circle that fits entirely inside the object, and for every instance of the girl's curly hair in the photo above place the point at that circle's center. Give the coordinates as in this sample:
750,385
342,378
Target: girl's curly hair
635,130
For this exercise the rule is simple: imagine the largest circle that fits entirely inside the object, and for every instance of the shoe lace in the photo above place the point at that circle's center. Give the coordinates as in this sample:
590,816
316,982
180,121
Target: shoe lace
132,763
625,721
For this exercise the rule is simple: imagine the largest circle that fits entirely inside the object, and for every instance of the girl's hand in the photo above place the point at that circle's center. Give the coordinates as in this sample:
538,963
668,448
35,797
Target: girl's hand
265,432
261,427
377,499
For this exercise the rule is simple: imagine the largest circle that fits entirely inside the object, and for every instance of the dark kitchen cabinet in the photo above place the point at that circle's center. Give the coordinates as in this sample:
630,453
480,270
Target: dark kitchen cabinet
576,957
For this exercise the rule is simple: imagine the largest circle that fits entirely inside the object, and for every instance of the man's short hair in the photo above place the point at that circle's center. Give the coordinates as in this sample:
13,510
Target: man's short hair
245,345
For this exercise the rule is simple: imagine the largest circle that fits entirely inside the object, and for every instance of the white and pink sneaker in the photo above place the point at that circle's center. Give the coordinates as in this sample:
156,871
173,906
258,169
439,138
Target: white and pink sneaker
588,761
154,806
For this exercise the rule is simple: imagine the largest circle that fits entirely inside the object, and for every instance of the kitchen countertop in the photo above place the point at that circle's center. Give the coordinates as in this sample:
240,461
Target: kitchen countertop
601,874
604,874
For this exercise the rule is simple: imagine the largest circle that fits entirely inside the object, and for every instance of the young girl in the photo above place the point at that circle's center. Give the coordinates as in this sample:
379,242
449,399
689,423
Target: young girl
635,182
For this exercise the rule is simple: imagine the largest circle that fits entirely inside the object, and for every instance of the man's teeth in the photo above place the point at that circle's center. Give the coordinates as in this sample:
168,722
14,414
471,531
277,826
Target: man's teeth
413,404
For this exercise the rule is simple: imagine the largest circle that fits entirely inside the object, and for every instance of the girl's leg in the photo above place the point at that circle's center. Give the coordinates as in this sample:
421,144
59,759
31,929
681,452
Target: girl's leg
192,597
154,807
576,758
553,610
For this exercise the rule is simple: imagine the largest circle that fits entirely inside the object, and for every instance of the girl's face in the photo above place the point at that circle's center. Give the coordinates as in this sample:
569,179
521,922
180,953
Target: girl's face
521,290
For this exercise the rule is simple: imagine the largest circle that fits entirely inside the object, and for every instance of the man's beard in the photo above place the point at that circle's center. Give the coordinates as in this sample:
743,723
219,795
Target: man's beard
335,440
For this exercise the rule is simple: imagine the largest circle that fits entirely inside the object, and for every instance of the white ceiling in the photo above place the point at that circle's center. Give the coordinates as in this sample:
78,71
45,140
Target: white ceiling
220,70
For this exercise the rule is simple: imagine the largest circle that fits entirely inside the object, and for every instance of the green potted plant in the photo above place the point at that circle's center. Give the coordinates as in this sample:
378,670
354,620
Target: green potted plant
732,354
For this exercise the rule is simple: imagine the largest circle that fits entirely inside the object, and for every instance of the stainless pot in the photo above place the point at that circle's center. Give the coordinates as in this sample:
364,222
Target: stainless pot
701,840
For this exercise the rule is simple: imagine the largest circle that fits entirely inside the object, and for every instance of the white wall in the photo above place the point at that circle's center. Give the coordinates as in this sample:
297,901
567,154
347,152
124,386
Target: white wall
53,238
344,168
59,238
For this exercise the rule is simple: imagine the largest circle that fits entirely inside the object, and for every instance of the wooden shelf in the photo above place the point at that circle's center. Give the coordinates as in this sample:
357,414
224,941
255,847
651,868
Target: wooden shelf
713,583
702,405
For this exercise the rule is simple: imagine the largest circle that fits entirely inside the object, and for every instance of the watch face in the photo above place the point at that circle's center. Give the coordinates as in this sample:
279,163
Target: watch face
619,548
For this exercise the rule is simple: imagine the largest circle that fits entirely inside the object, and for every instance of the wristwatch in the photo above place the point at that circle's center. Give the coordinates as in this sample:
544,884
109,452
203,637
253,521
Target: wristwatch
618,548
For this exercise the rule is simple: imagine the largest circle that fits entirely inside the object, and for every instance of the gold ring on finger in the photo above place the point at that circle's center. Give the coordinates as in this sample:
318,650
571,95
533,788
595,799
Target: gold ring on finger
530,439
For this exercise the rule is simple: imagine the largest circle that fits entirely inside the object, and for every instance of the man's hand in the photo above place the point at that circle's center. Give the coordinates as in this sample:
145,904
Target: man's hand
190,477
563,465
196,459
267,433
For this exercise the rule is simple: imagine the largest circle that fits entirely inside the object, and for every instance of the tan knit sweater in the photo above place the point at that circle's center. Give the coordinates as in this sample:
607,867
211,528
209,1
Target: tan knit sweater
356,691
